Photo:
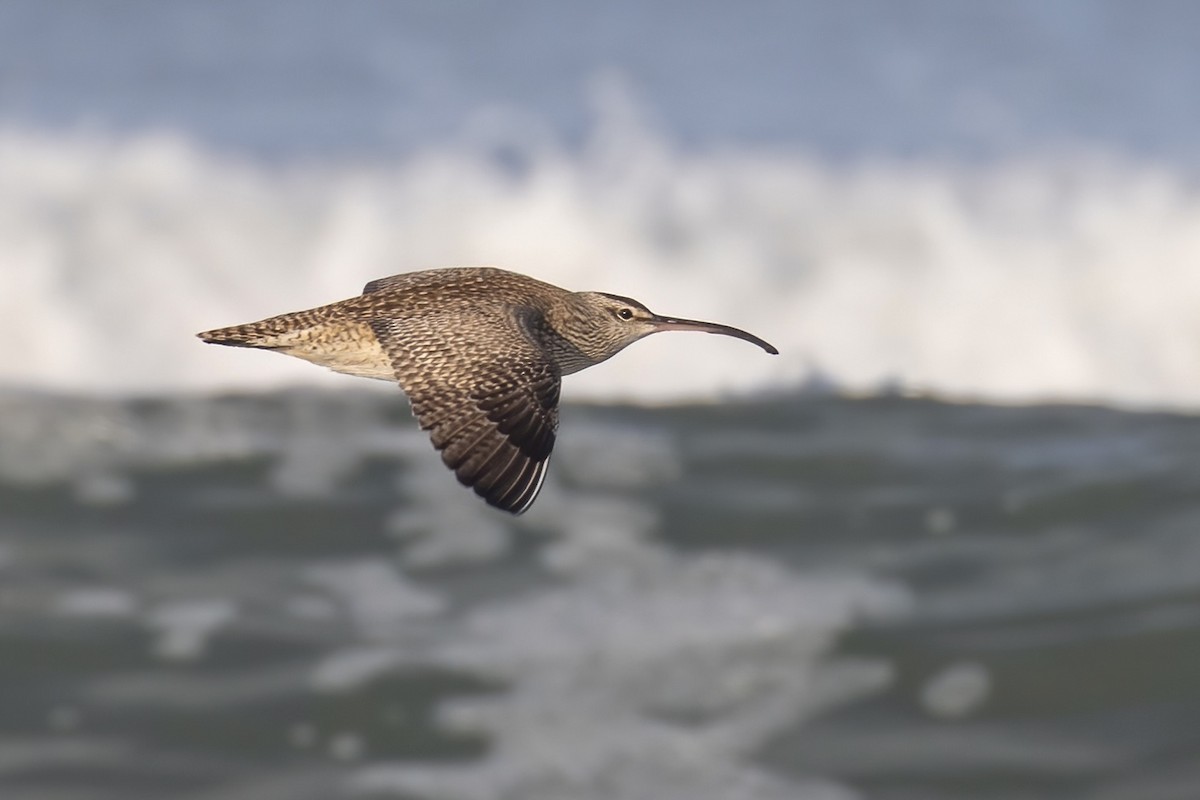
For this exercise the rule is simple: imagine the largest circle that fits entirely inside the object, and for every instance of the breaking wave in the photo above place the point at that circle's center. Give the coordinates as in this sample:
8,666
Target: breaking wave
1033,279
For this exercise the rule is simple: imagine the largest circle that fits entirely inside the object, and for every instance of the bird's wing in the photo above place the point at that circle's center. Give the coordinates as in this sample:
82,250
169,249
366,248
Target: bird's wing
486,394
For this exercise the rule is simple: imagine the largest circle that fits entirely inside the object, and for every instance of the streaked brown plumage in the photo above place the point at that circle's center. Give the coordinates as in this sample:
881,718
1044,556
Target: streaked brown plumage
479,351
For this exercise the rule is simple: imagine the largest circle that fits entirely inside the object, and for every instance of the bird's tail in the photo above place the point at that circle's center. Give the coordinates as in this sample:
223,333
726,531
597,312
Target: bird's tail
268,334
237,336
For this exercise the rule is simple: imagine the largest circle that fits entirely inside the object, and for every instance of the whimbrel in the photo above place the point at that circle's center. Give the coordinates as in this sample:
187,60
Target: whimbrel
479,351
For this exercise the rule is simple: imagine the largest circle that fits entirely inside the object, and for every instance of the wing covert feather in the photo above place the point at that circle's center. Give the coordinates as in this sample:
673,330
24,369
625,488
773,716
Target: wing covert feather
486,394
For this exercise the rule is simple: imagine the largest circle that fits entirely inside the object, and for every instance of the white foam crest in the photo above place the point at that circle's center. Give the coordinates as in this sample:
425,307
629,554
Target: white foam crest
1031,279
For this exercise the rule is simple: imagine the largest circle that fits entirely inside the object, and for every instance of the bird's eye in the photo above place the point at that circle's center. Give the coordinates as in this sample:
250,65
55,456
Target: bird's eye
625,313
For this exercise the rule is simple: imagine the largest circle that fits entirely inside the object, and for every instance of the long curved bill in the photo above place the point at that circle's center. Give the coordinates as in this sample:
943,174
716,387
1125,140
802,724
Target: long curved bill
672,324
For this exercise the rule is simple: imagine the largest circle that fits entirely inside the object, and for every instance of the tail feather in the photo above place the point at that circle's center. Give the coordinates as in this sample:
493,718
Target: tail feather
289,333
229,336
266,334
236,336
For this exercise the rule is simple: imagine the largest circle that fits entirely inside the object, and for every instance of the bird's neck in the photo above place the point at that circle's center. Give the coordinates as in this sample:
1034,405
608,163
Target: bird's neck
551,328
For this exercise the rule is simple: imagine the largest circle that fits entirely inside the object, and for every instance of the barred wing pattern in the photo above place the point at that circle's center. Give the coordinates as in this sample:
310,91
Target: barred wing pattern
491,411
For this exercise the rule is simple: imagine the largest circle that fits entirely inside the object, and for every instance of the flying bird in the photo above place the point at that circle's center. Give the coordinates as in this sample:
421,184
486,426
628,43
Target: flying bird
479,351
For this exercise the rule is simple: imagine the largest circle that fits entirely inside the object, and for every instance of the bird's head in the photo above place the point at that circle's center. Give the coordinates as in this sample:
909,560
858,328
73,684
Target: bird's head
601,325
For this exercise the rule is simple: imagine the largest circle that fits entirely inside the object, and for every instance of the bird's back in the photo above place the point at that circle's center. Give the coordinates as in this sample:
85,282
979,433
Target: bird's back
449,289
343,335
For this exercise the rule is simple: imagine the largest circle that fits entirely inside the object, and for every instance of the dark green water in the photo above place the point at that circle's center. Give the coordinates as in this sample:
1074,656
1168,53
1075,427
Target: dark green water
285,596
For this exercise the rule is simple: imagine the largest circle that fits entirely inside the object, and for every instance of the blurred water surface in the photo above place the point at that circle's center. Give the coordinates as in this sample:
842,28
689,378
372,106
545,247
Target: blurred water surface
807,597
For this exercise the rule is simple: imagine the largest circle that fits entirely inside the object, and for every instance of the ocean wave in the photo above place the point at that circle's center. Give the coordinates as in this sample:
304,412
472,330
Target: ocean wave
1070,278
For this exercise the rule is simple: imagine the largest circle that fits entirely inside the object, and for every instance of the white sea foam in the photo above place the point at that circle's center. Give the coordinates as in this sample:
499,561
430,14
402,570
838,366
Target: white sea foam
97,602
185,626
647,679
1030,279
